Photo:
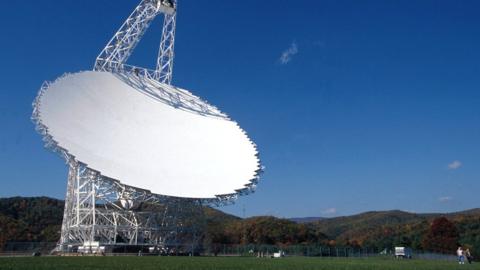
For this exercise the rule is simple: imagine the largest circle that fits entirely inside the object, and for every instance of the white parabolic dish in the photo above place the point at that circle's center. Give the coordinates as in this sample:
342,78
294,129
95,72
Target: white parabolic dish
148,135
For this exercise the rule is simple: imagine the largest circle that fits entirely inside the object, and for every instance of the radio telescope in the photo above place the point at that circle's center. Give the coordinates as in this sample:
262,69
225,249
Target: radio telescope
131,138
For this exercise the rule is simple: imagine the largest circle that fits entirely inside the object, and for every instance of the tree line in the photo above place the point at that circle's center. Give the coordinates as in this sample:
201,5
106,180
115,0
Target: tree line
39,220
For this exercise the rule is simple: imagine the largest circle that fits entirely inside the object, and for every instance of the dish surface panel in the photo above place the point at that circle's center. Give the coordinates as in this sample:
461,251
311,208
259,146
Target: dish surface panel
148,135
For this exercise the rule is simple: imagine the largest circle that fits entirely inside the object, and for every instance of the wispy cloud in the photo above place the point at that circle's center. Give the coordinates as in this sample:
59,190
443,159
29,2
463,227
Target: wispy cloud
289,53
454,165
329,211
445,199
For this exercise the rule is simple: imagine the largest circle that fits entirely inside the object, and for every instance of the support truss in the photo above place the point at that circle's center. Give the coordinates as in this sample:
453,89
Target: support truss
165,55
98,209
114,56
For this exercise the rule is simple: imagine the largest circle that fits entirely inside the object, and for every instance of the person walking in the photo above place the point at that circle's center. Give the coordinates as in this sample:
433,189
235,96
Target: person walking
460,255
469,256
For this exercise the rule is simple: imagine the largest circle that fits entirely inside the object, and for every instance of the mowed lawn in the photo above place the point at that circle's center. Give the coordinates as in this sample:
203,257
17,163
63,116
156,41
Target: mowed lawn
200,263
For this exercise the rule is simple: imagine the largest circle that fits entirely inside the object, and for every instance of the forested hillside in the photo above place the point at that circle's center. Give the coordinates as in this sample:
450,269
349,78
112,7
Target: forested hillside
30,219
390,228
39,219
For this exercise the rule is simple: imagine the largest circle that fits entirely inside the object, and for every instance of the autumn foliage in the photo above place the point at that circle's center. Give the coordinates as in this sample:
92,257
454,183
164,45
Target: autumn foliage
442,236
39,220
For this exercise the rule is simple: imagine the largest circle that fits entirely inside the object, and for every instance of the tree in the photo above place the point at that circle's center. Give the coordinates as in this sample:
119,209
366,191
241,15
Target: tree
442,236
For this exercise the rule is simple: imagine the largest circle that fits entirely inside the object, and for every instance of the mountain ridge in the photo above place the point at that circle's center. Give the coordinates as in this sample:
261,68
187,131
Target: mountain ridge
38,219
470,211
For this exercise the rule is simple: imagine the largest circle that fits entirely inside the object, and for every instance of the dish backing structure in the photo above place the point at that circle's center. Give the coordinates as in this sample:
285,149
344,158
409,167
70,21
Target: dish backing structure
144,156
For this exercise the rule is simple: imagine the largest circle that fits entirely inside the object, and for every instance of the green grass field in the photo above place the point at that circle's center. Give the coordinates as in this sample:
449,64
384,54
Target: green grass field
201,263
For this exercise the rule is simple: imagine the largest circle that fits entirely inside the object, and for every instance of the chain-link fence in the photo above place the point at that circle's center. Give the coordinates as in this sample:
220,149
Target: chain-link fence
45,248
26,248
292,250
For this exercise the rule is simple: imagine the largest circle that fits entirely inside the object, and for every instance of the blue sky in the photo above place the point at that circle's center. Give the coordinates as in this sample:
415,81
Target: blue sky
355,105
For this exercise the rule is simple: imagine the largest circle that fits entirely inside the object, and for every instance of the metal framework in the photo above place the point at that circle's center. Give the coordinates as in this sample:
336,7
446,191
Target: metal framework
114,56
102,210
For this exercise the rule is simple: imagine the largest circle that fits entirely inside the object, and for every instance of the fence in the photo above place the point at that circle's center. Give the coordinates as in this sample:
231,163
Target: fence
292,250
45,248
26,248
